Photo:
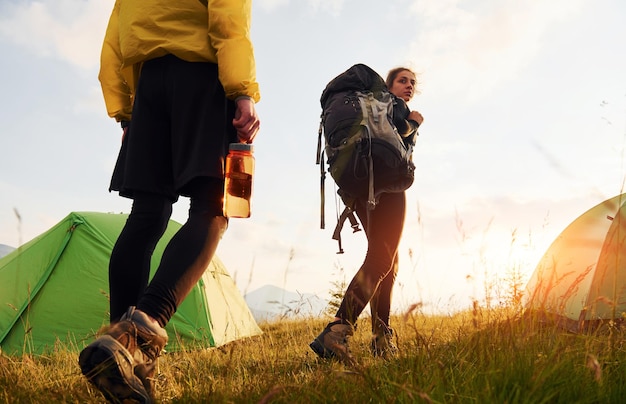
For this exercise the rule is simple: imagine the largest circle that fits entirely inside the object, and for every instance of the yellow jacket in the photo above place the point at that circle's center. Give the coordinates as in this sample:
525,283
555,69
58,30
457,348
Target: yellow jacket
192,30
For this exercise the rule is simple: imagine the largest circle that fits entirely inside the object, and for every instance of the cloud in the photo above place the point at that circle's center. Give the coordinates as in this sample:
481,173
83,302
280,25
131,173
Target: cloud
270,5
332,7
469,50
67,30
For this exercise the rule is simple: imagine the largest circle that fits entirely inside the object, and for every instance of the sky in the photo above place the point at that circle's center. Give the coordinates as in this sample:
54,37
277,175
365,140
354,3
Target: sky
525,129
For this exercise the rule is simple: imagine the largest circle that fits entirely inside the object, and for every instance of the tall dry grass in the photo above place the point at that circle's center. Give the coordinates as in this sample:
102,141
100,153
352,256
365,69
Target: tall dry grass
477,356
492,353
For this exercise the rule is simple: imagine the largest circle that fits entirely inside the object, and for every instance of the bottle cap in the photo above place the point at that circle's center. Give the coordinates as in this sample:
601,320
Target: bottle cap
241,147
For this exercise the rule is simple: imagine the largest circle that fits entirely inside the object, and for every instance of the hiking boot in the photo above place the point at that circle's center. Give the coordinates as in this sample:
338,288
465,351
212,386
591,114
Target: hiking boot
121,363
333,342
382,344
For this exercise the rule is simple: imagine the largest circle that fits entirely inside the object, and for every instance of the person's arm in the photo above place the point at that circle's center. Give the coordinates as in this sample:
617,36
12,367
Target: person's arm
415,119
117,85
229,34
405,120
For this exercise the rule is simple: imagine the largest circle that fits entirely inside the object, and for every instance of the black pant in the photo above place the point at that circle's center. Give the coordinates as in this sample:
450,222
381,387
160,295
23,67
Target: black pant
374,281
184,260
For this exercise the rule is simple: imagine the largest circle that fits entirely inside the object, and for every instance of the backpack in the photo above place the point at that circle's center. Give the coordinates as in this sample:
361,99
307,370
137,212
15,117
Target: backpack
365,154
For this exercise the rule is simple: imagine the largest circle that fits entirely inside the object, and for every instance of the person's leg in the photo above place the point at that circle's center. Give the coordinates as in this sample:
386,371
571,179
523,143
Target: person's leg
382,344
122,362
384,229
129,265
188,253
110,362
380,303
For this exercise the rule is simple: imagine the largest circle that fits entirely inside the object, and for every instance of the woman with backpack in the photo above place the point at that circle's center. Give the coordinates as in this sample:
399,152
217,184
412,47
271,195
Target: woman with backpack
374,281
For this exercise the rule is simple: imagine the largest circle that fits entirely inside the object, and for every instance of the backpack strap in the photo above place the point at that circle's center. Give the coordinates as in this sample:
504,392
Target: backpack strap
371,200
320,161
348,213
367,110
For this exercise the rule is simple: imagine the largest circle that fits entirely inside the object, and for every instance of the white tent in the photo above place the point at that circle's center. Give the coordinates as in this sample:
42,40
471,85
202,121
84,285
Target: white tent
581,278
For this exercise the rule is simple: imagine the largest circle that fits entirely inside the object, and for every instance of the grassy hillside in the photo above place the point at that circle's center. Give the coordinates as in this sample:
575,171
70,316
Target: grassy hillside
474,357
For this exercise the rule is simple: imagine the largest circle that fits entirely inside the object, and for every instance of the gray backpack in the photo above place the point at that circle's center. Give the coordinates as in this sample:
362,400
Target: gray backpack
365,154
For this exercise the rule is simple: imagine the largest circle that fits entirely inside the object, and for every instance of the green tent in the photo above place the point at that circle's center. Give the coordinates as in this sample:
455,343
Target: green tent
54,289
581,279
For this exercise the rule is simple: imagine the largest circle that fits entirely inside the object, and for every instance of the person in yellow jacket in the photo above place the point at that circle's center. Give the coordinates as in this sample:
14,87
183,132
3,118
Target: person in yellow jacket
180,77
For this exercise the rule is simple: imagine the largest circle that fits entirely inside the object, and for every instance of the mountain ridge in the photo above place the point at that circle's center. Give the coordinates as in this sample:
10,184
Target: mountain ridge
271,302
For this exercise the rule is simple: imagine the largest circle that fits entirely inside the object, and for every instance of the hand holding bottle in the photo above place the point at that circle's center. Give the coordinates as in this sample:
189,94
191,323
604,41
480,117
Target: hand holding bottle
246,120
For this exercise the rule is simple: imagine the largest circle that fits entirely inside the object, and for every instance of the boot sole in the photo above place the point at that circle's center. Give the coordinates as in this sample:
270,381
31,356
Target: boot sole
320,350
108,365
340,354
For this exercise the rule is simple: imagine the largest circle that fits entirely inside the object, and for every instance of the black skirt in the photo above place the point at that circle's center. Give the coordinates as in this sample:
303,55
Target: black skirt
181,127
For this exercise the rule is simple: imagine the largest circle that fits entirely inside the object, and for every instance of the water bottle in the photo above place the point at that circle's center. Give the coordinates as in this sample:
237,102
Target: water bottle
238,180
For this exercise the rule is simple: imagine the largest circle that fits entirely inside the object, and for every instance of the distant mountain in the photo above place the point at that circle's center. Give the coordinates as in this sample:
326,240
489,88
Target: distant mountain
270,302
5,249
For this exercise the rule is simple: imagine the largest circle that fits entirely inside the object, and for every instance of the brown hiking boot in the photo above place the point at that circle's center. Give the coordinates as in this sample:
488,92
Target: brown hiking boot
121,363
382,344
333,342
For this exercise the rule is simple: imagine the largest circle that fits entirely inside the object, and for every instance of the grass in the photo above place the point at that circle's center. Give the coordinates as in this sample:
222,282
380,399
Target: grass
479,356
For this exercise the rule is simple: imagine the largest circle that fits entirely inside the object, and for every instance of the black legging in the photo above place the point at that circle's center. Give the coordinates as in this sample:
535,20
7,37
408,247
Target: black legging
374,281
184,260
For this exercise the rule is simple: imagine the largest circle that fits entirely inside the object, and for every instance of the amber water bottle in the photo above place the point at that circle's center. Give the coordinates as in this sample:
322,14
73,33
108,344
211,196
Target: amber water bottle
238,180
